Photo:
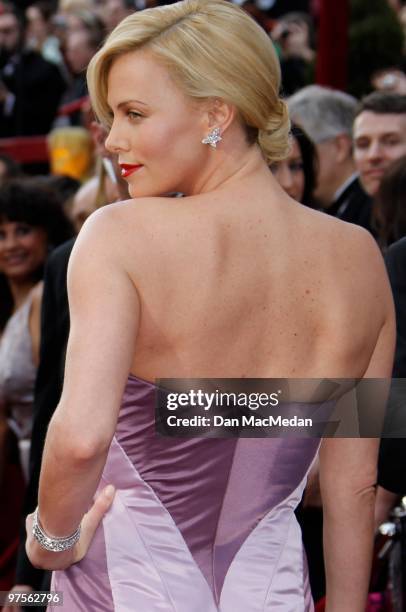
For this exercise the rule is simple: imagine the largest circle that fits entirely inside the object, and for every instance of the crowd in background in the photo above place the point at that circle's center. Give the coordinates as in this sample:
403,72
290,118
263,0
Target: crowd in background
347,159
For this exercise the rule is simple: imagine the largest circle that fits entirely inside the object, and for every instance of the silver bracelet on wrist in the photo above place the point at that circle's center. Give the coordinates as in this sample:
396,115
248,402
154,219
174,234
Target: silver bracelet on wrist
53,544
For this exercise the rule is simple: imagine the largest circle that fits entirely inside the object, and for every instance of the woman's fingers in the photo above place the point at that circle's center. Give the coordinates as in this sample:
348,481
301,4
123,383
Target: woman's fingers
90,523
92,519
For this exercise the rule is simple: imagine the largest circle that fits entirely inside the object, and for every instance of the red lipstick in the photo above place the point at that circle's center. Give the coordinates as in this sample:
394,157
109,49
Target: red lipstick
127,169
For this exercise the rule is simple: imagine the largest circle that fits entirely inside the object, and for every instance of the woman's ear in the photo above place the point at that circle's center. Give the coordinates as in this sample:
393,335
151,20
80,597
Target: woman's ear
220,114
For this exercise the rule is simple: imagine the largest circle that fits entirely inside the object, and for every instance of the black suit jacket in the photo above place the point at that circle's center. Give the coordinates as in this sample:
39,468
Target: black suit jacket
353,206
392,454
37,86
54,337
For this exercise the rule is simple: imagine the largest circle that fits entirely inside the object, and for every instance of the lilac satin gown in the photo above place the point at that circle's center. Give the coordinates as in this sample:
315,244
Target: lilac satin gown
197,525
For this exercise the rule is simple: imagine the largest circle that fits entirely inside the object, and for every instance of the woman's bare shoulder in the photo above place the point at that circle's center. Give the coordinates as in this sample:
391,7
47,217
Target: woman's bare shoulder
116,219
126,209
344,253
344,240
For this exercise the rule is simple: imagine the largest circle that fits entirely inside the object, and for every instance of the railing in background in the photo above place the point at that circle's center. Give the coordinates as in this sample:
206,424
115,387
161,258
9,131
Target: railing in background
26,149
34,149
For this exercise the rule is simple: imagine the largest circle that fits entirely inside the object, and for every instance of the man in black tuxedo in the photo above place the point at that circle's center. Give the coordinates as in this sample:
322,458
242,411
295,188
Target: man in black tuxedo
395,259
327,116
30,87
352,204
392,455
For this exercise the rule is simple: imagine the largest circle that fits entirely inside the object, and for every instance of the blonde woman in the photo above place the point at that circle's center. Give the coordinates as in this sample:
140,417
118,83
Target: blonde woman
233,280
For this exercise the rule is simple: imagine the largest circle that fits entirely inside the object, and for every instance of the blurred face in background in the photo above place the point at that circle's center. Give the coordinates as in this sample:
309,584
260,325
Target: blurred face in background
114,11
78,51
23,249
379,139
37,26
9,32
290,174
83,204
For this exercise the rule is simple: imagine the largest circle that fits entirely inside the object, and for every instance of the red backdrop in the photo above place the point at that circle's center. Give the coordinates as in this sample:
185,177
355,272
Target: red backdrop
332,53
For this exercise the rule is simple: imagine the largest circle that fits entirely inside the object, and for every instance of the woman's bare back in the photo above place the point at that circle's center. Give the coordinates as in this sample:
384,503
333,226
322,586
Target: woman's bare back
233,286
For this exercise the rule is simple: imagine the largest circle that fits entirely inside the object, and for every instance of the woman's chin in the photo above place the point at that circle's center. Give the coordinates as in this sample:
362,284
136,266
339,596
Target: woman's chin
137,192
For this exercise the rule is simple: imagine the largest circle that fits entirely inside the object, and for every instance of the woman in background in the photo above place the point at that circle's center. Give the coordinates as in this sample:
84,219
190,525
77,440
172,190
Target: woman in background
31,224
297,173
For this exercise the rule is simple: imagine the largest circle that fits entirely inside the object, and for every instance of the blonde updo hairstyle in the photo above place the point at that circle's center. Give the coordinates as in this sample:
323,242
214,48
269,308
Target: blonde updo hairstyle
212,49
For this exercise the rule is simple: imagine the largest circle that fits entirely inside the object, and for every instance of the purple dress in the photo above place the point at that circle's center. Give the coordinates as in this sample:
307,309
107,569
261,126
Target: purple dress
197,525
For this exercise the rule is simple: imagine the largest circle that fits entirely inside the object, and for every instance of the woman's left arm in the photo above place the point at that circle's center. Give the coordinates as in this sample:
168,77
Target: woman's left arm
104,311
348,469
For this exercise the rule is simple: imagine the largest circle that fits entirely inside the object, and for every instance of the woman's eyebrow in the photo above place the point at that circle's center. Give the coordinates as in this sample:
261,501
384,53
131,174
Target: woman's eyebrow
127,102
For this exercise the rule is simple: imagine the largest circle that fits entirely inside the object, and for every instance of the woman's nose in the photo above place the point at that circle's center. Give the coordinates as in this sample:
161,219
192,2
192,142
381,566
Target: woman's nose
116,141
10,241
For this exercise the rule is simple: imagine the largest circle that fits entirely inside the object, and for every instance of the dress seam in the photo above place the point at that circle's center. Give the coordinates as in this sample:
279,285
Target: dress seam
277,562
218,595
138,531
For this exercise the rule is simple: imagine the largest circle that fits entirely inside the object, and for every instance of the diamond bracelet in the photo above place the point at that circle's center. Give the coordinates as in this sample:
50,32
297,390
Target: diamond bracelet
53,544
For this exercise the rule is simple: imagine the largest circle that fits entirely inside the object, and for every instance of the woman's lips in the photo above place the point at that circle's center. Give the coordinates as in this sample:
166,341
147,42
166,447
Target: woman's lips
14,260
127,169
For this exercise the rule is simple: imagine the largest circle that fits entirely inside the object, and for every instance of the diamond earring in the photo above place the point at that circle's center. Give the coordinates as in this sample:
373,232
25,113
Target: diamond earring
213,138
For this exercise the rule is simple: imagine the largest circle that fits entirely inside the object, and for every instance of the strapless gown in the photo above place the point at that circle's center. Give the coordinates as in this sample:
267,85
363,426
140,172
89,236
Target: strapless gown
197,525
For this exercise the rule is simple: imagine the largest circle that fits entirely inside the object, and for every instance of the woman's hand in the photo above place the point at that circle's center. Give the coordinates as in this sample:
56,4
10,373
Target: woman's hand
44,559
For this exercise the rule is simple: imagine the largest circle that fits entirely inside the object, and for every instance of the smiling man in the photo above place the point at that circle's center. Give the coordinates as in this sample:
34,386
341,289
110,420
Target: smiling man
379,136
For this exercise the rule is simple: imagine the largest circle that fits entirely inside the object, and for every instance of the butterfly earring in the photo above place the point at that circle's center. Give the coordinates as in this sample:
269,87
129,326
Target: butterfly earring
213,138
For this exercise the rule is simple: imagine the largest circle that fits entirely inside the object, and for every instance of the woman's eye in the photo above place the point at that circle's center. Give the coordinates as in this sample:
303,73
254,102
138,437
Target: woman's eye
296,167
23,230
133,115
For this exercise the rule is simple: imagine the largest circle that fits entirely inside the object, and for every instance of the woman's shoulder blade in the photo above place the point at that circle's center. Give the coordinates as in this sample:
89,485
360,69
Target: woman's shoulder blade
341,236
